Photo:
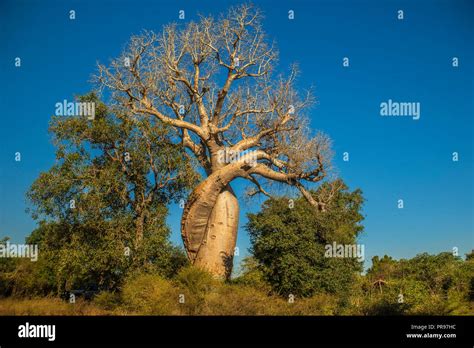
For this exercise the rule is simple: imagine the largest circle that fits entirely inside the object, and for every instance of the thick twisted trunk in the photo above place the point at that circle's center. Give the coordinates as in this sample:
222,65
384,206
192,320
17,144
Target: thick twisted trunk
210,222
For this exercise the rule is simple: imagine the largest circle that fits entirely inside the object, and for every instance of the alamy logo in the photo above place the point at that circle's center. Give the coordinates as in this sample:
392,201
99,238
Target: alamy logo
30,251
392,108
76,109
227,156
345,251
37,331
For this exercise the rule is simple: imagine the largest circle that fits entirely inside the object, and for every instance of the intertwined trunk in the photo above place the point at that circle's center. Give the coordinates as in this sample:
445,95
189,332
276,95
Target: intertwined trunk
209,224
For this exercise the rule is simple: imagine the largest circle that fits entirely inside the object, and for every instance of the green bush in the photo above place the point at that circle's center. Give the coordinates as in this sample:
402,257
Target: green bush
196,280
318,304
252,276
108,300
148,294
429,285
288,242
194,285
30,279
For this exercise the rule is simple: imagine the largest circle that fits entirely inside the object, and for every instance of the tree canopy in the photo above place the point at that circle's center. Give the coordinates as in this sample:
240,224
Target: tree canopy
102,206
289,239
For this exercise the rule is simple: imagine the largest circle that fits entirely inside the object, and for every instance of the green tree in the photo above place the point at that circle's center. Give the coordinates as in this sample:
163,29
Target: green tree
102,206
288,241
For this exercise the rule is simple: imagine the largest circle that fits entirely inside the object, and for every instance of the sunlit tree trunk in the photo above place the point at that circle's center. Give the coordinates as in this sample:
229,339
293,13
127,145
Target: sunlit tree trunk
217,249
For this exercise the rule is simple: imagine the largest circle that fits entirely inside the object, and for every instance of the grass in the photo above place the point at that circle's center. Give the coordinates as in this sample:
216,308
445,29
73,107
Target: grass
191,292
48,306
194,292
227,301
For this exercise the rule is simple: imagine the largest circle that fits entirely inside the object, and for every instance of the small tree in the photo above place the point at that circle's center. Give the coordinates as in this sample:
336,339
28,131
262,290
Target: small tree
288,241
102,206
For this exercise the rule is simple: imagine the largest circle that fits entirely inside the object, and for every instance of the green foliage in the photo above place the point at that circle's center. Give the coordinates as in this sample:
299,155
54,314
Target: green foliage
194,285
102,206
426,284
149,295
251,275
74,257
194,292
233,299
121,205
7,267
196,280
289,243
22,277
108,300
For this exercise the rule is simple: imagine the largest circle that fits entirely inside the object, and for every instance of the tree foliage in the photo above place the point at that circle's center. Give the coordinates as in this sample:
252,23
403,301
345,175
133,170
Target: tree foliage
426,284
102,206
289,239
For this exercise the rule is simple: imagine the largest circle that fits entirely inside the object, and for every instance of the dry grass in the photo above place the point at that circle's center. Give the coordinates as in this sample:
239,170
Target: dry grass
48,306
193,292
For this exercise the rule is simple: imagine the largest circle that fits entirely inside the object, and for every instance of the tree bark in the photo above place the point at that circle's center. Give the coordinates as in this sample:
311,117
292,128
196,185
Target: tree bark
210,222
216,253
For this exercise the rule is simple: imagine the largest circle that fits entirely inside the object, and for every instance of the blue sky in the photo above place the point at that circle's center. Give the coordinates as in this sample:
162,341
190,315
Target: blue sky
394,158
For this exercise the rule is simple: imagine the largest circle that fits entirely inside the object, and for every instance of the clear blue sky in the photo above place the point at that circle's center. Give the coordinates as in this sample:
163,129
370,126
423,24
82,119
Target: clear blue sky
390,158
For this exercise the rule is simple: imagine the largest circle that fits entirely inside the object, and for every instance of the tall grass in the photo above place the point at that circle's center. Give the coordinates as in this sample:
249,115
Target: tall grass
195,292
48,306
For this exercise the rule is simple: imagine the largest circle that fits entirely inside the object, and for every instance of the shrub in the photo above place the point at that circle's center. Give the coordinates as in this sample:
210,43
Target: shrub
251,275
148,294
233,299
194,284
108,300
430,285
318,304
30,279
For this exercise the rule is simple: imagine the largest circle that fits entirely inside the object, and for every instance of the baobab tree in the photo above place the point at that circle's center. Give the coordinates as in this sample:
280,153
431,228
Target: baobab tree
213,81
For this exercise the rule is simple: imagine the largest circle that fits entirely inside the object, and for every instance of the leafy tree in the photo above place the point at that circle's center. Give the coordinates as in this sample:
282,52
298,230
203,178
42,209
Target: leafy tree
102,206
289,242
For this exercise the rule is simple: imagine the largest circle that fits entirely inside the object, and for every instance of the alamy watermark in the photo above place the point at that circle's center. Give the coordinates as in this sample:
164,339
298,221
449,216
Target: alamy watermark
76,109
227,156
345,251
37,331
392,108
9,250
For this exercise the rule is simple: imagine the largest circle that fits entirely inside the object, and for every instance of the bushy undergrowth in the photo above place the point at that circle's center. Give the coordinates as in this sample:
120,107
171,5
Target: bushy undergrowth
148,294
418,286
194,292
